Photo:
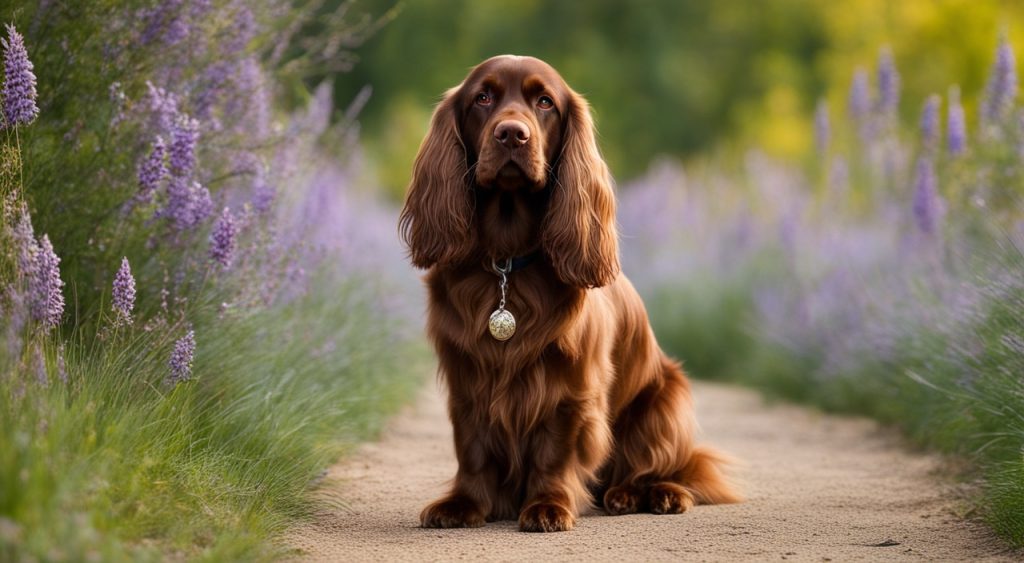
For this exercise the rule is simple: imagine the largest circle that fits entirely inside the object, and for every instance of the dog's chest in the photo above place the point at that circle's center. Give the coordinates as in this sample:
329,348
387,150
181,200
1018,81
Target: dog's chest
463,302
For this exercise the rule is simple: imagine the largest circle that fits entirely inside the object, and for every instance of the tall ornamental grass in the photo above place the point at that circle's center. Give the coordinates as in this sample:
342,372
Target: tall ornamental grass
886,279
200,308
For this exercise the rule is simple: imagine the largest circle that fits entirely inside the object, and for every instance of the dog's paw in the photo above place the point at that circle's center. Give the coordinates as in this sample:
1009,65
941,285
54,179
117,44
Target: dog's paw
546,517
452,512
669,498
622,499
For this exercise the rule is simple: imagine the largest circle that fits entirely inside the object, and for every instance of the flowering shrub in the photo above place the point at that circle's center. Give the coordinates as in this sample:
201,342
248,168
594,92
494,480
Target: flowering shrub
886,281
181,352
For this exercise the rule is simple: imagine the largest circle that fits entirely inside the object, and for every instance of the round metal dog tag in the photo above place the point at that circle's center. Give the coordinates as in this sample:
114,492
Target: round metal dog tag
502,324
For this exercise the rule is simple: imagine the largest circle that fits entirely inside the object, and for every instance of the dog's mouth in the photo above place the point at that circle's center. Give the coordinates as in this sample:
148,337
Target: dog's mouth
510,175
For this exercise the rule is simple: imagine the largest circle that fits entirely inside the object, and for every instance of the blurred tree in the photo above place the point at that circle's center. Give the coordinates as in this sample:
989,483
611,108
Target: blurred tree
670,76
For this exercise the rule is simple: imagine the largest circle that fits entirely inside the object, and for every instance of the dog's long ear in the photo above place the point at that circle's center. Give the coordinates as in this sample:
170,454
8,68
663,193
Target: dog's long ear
436,221
579,233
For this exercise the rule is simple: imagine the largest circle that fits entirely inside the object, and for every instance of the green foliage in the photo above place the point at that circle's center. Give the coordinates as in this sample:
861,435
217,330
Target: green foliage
116,463
667,77
119,465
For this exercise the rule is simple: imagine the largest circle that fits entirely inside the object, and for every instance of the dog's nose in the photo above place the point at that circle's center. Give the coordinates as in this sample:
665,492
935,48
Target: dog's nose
512,133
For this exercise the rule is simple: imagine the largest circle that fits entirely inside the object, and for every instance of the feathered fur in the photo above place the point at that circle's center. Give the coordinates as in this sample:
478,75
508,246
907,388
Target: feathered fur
581,401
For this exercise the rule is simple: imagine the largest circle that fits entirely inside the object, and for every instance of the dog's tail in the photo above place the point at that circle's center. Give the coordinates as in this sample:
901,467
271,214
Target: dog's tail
705,478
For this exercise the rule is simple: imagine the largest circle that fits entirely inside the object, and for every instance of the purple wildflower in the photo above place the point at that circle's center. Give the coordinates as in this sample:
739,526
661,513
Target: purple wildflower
930,122
956,127
181,358
263,196
211,89
860,103
250,104
888,83
45,286
1001,89
152,170
188,203
222,239
160,19
123,294
177,30
25,240
821,127
184,136
19,91
243,30
163,105
927,204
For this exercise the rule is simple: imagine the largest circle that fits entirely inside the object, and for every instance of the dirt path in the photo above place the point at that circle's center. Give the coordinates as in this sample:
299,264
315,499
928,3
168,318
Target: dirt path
819,488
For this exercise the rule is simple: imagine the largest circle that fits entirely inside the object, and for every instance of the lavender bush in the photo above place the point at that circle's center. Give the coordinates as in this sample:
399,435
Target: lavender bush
19,90
886,282
182,351
123,293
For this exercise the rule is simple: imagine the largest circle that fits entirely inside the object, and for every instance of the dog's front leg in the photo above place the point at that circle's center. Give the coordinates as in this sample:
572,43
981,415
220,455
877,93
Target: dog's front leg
565,451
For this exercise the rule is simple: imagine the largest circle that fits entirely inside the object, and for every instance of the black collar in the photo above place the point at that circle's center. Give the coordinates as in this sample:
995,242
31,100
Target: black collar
515,263
520,262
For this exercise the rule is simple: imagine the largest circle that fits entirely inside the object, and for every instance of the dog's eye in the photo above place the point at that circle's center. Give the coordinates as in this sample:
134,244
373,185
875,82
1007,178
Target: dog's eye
545,102
483,99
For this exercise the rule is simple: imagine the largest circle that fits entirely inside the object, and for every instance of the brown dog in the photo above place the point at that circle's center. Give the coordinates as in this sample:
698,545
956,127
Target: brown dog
580,401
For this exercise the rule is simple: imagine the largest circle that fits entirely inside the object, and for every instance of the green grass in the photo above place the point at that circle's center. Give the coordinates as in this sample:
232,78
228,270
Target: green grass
120,466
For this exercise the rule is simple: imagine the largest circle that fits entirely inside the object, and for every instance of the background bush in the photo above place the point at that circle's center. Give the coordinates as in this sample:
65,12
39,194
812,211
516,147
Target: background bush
254,331
884,279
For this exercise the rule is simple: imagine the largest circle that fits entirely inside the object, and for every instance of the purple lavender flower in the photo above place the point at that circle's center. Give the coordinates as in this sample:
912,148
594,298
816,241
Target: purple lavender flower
25,240
1001,89
181,358
250,104
243,31
184,136
263,196
821,127
177,31
888,83
927,204
163,105
152,170
956,127
123,294
222,239
19,91
930,122
188,203
860,102
45,286
159,19
211,89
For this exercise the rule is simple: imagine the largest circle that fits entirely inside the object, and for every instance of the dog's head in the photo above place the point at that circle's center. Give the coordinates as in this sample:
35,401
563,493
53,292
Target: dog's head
513,129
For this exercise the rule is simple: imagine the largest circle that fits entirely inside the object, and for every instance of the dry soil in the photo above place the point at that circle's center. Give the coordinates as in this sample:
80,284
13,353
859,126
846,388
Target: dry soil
818,488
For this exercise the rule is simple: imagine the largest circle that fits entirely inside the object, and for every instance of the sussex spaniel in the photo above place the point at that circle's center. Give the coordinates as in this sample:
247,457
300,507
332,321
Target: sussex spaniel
580,402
